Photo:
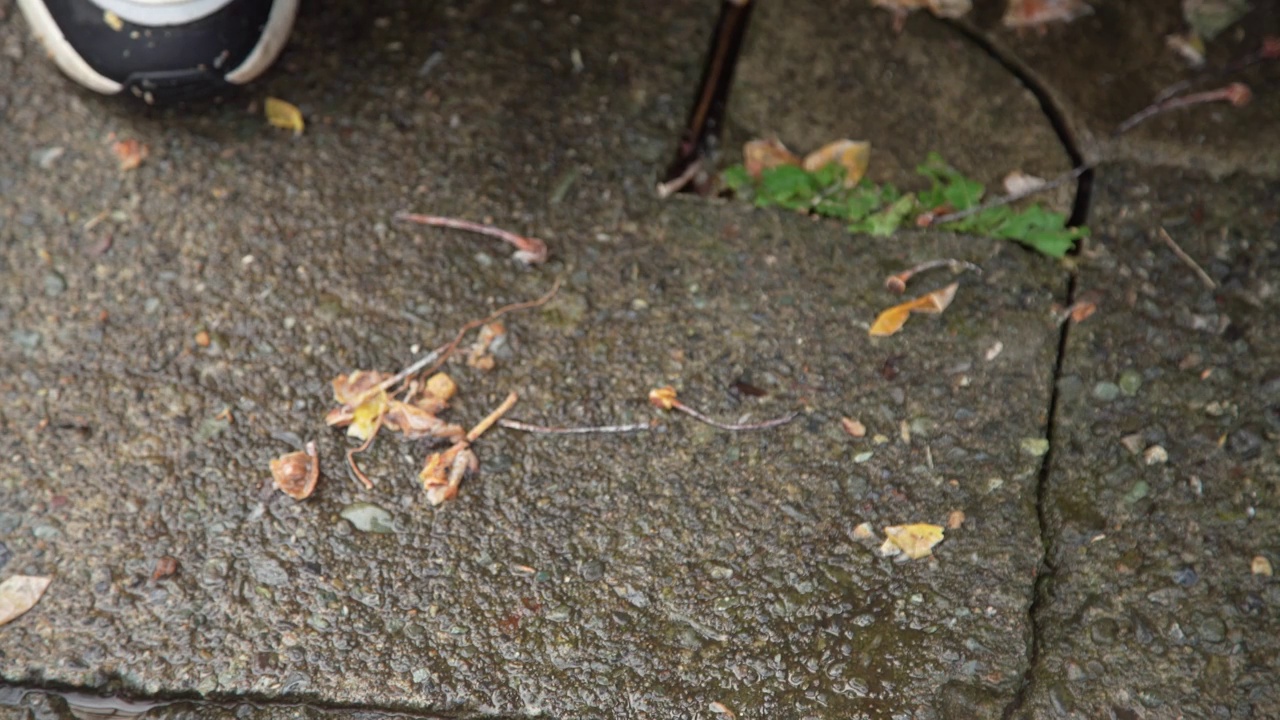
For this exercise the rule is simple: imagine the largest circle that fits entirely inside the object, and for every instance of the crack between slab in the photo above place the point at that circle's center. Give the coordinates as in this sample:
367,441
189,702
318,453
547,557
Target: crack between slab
83,702
1046,570
1049,105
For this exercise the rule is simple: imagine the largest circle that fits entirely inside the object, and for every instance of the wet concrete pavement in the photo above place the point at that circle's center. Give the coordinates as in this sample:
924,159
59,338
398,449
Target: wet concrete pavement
656,574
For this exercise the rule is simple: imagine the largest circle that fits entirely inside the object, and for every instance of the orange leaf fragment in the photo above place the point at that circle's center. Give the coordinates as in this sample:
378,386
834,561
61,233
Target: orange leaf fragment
1038,13
760,155
417,422
363,403
663,398
853,428
852,155
295,473
490,334
891,320
130,153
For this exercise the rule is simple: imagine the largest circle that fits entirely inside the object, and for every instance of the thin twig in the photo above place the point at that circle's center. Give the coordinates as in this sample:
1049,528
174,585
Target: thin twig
1238,94
763,425
492,417
1270,50
897,282
1066,177
1184,257
351,453
529,250
582,430
676,184
436,357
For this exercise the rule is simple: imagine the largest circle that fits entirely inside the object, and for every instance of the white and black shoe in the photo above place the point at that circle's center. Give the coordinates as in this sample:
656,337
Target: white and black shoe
162,50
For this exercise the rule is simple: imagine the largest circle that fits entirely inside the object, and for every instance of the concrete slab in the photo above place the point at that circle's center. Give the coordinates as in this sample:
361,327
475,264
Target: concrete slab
645,576
811,73
1103,67
1165,473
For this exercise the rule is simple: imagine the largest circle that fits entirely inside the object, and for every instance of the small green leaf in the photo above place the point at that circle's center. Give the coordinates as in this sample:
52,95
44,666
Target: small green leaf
889,219
735,178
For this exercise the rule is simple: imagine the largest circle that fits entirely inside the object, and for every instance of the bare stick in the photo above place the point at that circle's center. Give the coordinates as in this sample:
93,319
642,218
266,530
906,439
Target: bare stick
763,425
492,417
676,184
1270,50
351,454
436,357
1007,199
897,282
1185,258
583,430
529,250
1238,94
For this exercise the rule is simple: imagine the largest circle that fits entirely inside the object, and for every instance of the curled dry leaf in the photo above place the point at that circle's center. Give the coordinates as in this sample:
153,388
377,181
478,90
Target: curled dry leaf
296,473
853,428
130,153
915,541
1260,565
1038,13
491,334
363,403
1020,183
760,155
284,115
852,155
443,472
165,566
20,593
891,321
663,398
416,422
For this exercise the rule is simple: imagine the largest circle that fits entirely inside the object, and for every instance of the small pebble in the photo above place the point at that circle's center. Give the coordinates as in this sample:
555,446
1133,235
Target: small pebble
1132,443
54,284
1155,455
367,517
1130,382
1035,447
1260,566
1106,391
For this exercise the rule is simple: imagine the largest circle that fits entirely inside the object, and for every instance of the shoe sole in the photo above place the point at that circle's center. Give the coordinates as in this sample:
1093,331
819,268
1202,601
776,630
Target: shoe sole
274,35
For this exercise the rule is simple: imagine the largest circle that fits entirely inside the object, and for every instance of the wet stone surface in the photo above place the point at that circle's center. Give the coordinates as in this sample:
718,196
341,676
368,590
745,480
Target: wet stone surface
165,332
1159,498
646,575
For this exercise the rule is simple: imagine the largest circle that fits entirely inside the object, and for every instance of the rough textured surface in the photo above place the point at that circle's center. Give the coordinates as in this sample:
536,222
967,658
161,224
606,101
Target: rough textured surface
1151,605
620,576
815,72
1110,64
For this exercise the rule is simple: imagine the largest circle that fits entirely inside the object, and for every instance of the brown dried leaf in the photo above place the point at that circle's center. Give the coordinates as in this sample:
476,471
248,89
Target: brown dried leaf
348,389
296,473
1038,13
760,155
891,320
165,566
663,398
443,472
478,356
853,155
19,594
130,153
415,422
359,387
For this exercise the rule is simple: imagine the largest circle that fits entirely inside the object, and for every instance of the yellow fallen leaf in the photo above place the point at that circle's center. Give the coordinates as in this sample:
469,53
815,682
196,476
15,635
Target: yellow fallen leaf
19,594
366,417
1260,565
760,155
852,155
915,541
891,320
284,115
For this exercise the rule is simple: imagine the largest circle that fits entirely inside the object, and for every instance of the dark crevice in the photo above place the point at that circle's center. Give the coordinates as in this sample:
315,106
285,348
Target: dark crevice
1047,568
1052,111
86,703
